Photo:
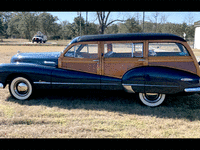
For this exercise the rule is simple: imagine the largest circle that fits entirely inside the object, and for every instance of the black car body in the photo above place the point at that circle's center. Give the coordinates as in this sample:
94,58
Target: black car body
151,64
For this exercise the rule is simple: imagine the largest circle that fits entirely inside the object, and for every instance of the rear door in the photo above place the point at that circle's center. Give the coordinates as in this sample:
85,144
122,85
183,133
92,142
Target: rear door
121,56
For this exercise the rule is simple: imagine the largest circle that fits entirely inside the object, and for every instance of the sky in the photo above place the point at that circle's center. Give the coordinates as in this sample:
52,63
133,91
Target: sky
173,17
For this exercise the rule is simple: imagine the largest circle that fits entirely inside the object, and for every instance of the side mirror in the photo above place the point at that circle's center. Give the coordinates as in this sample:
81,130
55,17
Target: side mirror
199,62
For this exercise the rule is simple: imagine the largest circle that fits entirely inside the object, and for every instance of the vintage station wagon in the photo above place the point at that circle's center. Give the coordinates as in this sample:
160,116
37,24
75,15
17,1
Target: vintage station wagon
148,64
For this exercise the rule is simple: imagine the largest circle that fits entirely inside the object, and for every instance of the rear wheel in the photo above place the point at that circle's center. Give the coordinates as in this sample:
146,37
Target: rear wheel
152,99
21,88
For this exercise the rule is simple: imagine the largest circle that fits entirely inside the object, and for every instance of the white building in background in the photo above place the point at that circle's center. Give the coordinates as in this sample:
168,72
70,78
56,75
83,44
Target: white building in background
197,35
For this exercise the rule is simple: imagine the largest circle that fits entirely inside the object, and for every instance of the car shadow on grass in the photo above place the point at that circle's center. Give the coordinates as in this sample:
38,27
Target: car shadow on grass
180,107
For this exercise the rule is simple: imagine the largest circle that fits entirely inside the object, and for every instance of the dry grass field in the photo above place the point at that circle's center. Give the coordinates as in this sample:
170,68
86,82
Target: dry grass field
93,114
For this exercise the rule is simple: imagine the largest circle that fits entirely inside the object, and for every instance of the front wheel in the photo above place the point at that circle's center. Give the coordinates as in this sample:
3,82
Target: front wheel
152,99
21,88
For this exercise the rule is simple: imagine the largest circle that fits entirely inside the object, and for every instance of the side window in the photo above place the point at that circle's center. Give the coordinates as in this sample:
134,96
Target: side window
167,49
123,50
83,51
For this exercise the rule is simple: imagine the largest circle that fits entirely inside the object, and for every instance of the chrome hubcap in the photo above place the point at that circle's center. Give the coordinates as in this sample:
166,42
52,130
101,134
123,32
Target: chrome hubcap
152,97
21,88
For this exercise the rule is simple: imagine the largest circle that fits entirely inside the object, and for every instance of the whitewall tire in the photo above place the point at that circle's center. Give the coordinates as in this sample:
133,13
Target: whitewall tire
21,88
152,99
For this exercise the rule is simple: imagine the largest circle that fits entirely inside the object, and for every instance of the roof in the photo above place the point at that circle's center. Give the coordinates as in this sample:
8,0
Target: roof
127,36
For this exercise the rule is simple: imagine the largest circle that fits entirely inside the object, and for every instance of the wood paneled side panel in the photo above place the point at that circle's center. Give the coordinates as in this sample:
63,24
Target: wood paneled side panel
84,67
187,66
118,69
185,63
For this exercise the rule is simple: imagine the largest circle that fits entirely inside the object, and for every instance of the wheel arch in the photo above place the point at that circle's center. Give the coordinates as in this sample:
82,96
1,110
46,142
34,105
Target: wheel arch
133,80
11,76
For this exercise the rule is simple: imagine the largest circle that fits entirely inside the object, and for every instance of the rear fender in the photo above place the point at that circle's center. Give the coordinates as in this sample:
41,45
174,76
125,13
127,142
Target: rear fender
152,79
134,80
168,80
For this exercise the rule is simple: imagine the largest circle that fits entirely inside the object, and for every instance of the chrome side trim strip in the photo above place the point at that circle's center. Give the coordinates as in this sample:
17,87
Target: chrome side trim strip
149,85
43,82
196,89
133,84
186,79
49,62
1,85
85,83
128,88
76,83
163,85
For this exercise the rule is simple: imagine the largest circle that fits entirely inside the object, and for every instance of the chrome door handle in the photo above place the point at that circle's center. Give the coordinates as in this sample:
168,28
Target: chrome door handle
95,60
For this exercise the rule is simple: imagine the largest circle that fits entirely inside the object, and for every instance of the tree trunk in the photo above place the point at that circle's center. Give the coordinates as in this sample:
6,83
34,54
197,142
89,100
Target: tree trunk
102,29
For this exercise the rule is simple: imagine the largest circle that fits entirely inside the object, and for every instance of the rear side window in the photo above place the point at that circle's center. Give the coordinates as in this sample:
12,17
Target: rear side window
123,50
167,49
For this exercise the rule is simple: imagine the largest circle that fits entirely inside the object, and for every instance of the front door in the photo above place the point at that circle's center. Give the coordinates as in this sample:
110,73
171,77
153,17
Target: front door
82,60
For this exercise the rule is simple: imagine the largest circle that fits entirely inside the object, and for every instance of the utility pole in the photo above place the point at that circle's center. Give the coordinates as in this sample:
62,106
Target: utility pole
143,20
86,22
80,23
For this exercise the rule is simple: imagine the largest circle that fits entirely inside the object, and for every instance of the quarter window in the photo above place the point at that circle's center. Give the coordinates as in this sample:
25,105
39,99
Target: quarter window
123,50
83,51
167,49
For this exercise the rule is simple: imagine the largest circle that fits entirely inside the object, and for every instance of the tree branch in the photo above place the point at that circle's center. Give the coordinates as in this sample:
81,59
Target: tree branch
114,21
98,16
107,17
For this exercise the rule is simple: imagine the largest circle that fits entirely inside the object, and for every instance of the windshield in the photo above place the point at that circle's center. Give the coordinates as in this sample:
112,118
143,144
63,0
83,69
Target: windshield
72,41
66,47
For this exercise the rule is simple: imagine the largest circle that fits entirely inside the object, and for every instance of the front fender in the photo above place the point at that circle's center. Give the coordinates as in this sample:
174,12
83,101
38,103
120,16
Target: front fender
36,73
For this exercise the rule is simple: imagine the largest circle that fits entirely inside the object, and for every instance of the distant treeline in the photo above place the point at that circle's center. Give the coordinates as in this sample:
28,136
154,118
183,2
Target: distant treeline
26,24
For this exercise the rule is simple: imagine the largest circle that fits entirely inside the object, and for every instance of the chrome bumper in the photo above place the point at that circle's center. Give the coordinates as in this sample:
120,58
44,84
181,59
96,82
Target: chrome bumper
1,86
197,89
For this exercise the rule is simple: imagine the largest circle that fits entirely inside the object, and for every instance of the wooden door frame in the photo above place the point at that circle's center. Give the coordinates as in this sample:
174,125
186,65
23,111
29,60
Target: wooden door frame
125,60
62,57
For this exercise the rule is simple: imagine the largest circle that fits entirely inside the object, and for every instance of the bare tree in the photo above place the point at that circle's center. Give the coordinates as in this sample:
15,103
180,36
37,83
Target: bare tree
137,16
103,20
189,19
154,19
163,19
